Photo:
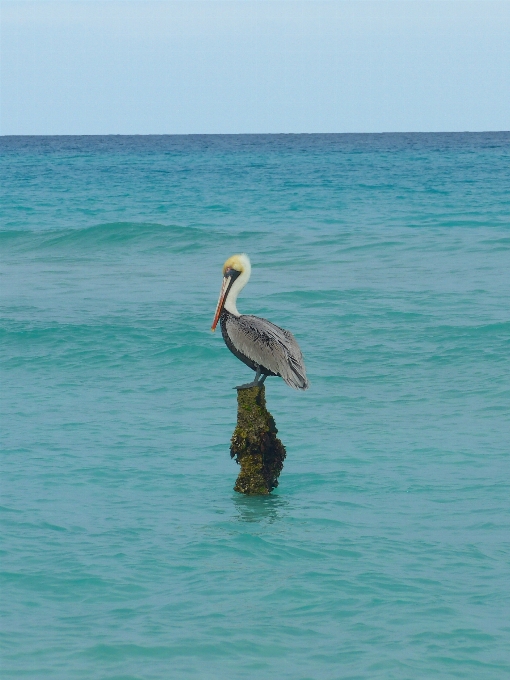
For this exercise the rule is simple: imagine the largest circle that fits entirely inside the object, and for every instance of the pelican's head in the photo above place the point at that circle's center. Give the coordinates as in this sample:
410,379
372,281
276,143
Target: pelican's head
236,272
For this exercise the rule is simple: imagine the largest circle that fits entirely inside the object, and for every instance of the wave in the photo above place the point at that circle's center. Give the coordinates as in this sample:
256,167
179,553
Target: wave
173,237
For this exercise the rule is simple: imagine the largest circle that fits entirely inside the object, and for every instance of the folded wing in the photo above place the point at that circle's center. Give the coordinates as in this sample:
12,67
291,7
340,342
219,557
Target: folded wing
269,346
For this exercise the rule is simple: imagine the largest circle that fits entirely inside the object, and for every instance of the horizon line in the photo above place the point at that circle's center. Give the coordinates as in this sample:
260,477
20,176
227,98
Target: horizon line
256,134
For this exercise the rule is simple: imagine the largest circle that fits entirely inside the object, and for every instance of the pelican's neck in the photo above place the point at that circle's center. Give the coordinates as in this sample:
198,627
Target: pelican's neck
237,286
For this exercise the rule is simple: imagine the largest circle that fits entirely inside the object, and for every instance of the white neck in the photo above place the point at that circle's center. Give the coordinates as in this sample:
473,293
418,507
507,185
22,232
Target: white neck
237,286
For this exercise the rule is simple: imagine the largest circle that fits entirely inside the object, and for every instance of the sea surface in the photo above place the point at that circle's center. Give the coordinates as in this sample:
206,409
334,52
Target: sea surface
385,551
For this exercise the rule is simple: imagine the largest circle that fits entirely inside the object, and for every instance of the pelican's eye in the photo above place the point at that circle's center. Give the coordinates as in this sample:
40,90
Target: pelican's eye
231,273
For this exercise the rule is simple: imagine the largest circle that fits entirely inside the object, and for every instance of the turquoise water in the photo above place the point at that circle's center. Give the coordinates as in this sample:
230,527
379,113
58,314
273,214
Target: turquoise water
385,551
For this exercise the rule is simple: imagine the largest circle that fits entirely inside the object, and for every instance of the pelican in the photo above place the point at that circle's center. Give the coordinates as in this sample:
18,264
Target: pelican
264,347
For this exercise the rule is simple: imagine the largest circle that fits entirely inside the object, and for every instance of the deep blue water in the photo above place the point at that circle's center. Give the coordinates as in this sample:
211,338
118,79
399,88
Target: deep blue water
385,551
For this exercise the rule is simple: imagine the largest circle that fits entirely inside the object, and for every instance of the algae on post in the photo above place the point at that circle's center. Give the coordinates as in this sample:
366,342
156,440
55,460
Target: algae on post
255,445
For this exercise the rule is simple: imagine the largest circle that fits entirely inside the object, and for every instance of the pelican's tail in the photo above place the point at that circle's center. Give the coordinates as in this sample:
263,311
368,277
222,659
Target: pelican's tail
296,376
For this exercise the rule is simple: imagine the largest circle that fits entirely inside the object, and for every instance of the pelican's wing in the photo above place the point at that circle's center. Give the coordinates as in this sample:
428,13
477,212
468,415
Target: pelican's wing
270,346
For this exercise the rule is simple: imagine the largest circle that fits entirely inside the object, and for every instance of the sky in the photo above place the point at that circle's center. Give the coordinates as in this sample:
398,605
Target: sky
253,66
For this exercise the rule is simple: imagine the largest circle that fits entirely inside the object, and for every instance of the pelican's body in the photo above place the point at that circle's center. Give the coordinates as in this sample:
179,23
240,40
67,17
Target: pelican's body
264,347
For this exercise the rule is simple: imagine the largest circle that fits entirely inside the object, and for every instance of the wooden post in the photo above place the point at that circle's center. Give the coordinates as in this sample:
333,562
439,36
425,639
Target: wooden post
255,445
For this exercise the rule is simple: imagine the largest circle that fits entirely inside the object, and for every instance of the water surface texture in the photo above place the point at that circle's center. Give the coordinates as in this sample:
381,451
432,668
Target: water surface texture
385,551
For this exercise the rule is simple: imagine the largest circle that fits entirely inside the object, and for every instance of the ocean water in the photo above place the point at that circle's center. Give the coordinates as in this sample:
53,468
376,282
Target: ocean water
385,551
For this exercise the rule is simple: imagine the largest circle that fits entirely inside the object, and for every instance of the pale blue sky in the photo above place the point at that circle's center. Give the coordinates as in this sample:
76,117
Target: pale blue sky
129,67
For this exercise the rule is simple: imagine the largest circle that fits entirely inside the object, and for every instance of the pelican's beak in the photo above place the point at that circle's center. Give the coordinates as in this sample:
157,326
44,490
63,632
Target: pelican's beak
221,301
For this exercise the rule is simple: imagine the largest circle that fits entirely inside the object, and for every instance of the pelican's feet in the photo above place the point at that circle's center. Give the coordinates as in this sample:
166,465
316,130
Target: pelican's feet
247,386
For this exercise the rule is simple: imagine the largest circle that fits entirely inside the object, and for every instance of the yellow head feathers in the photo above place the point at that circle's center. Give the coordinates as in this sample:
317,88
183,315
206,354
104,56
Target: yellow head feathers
239,262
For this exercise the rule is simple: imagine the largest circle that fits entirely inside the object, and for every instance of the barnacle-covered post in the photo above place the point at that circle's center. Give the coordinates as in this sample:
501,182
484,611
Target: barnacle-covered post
255,445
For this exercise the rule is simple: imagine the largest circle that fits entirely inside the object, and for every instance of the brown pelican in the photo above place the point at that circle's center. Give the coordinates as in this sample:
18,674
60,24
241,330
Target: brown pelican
264,347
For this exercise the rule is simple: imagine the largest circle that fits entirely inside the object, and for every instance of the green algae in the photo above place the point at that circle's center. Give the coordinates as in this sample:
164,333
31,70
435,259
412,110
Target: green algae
255,445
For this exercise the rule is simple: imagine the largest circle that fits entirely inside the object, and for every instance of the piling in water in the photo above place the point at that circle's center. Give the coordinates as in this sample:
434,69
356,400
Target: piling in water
255,445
